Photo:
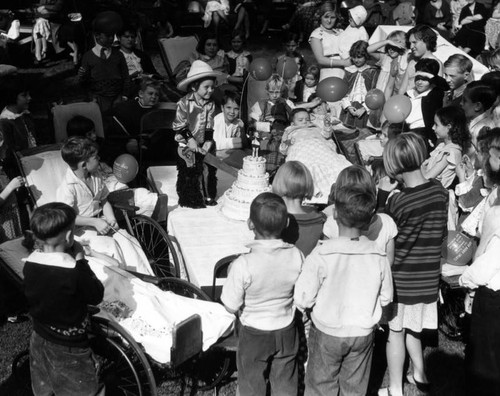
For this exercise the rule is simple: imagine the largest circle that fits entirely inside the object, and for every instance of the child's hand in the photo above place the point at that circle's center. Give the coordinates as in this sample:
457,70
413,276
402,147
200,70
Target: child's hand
395,44
352,110
102,227
359,113
192,144
15,183
386,184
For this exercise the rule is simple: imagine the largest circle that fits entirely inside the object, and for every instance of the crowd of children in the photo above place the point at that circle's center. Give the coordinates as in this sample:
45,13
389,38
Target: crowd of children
339,249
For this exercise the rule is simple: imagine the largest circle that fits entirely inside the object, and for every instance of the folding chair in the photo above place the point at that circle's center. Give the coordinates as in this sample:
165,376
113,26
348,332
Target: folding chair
368,149
175,50
220,271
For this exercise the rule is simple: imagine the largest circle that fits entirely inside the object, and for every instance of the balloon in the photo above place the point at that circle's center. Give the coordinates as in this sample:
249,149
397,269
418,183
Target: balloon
331,89
125,168
108,22
374,99
397,108
260,69
287,67
458,249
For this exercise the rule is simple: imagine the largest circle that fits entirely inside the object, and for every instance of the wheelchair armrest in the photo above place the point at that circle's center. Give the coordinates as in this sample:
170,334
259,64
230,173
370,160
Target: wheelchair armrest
146,278
125,207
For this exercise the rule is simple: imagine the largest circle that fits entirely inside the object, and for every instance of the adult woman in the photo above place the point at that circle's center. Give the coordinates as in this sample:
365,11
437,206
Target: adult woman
208,51
471,36
325,43
423,42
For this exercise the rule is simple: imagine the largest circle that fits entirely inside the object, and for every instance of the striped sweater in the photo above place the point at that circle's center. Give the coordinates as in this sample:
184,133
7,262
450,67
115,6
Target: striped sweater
421,216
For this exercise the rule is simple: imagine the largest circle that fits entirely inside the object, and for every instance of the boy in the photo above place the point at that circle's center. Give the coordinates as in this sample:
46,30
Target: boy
228,128
104,70
59,284
260,287
345,281
457,73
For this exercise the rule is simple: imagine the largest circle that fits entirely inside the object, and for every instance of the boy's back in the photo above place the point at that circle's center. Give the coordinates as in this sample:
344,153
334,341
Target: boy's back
346,282
262,282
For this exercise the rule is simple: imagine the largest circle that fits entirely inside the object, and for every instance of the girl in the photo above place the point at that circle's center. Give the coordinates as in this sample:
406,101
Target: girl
293,182
420,212
360,78
208,50
492,28
393,62
239,59
354,32
471,37
382,228
193,124
307,86
450,126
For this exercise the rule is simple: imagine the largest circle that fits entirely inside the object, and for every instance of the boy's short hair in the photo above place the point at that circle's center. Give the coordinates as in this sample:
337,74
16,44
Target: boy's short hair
424,33
231,96
355,206
297,110
52,219
147,82
275,83
359,50
269,215
427,65
77,149
461,62
293,180
404,153
480,92
314,71
79,126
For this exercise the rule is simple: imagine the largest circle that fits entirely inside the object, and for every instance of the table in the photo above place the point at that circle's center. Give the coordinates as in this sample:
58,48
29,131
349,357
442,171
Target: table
204,237
444,48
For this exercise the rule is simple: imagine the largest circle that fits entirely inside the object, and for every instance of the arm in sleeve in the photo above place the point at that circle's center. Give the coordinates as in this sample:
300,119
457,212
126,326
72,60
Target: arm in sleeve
309,282
484,267
90,288
66,195
181,115
233,291
386,290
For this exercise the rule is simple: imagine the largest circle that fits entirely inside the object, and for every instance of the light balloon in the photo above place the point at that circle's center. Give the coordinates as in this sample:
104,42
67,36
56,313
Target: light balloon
287,67
374,99
332,89
125,168
397,108
260,69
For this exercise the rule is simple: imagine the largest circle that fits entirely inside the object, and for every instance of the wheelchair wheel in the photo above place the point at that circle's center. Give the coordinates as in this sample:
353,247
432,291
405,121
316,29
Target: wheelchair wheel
123,366
157,246
183,288
451,311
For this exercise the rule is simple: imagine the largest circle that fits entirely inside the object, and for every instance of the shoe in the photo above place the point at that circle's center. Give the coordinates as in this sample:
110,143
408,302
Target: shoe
424,387
210,202
14,29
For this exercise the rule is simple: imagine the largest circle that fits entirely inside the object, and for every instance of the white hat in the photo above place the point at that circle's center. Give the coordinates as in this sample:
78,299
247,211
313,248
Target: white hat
199,69
358,15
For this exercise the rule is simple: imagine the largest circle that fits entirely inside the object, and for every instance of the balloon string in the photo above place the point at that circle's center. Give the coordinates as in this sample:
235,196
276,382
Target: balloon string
245,84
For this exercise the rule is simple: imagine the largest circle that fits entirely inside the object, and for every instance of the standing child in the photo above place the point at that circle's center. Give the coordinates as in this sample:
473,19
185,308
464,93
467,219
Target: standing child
228,127
292,53
420,212
354,32
307,86
259,288
450,127
360,78
59,284
345,282
294,183
193,124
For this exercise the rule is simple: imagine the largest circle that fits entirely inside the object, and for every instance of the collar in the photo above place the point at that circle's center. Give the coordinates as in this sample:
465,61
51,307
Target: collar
9,115
56,259
345,245
72,178
411,94
192,97
455,93
478,119
269,244
354,69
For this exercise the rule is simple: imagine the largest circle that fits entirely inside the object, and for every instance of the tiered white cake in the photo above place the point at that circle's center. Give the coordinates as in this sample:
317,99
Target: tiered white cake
252,180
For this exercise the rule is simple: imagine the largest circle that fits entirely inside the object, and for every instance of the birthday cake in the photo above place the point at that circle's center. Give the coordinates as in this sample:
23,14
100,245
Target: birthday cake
251,181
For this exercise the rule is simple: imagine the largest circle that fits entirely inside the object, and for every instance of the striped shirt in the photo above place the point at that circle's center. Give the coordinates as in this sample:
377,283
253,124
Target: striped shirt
421,216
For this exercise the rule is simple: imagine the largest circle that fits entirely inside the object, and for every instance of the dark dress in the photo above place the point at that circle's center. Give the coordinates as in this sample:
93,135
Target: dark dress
304,230
472,35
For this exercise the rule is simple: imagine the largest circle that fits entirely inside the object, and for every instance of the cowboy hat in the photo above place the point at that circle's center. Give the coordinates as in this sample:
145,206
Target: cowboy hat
199,70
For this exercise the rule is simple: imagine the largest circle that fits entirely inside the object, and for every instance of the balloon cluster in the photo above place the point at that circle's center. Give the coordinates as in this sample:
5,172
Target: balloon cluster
125,168
261,69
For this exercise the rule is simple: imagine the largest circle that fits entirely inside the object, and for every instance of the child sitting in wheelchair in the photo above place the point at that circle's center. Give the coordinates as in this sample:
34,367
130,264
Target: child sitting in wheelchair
83,189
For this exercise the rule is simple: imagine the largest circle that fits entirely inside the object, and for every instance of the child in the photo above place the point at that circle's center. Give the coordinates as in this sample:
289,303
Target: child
104,70
420,212
193,124
239,59
59,284
457,73
208,50
494,60
228,128
360,79
470,37
291,52
492,28
477,99
393,62
294,183
426,97
345,282
450,127
259,288
307,86
354,32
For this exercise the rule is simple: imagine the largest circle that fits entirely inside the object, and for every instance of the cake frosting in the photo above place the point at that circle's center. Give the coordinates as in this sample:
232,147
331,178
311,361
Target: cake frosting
251,181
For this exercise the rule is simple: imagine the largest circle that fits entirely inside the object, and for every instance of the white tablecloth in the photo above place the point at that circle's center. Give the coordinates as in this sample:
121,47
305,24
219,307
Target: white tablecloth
205,236
444,48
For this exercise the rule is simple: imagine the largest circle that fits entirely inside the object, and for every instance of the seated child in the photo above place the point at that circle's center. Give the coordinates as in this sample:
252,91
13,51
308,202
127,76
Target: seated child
360,78
392,62
59,284
492,28
451,128
239,59
294,183
457,73
229,129
345,282
84,190
193,125
292,52
471,35
307,86
259,289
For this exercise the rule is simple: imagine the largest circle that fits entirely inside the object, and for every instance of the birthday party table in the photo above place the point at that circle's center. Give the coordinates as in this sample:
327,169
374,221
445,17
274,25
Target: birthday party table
204,237
444,48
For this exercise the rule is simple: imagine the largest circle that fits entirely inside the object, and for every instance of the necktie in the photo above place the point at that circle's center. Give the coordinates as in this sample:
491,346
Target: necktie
103,53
